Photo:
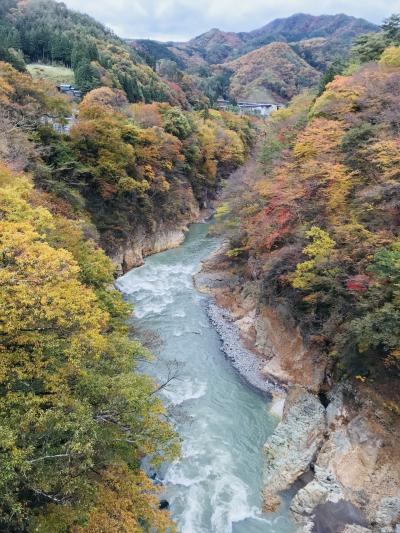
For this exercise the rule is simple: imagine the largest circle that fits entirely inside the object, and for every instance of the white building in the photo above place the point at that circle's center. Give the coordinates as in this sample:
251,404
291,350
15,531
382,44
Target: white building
262,109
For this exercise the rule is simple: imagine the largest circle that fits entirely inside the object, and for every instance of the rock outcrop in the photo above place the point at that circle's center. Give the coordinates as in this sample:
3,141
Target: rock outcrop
132,253
352,454
268,332
337,462
294,444
141,243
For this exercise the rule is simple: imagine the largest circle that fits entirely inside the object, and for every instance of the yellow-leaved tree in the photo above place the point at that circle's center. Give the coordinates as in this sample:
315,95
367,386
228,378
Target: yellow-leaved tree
75,417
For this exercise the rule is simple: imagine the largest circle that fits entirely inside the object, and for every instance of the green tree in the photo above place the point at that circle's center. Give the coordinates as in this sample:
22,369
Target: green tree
86,77
391,28
369,47
334,69
176,123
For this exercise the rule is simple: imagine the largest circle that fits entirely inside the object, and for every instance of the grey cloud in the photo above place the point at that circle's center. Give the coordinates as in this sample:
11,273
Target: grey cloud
183,19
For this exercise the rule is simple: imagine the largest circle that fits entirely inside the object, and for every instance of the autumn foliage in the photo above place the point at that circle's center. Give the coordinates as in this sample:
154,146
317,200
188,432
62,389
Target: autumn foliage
76,419
319,229
141,165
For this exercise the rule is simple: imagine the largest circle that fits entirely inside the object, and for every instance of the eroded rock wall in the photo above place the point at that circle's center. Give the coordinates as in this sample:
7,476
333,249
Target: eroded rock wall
337,458
139,245
141,242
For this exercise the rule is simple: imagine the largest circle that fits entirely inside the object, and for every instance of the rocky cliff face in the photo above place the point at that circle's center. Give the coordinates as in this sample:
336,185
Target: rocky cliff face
348,454
293,446
335,453
132,253
141,243
269,332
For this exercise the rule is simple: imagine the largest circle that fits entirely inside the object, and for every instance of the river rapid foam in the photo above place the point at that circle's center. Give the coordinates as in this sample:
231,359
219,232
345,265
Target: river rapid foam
215,487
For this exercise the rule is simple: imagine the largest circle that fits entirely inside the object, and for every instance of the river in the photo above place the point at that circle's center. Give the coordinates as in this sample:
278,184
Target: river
215,486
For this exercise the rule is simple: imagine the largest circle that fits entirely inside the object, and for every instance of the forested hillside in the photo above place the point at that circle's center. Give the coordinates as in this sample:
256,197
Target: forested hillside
277,61
273,73
46,31
124,165
76,417
319,230
143,151
192,74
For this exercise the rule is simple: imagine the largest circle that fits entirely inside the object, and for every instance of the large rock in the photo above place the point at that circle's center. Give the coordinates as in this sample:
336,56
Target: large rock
388,515
352,528
132,253
289,360
356,471
352,445
323,488
141,242
323,505
294,444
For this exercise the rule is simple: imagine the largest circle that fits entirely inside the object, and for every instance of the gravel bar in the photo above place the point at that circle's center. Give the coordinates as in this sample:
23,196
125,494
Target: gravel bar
248,364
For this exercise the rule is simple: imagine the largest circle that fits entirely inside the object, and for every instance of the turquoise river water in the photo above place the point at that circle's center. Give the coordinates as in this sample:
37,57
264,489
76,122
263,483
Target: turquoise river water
215,486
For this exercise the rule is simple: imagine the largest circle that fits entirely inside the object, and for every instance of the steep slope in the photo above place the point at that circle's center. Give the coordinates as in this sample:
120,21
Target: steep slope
76,419
154,51
271,73
319,228
277,73
216,46
71,401
314,261
212,47
319,52
47,31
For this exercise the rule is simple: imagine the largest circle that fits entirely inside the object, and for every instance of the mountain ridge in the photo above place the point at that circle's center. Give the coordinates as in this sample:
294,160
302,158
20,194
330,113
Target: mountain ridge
281,29
315,40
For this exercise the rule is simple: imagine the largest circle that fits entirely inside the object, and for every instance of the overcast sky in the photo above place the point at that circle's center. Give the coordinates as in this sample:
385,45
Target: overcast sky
182,19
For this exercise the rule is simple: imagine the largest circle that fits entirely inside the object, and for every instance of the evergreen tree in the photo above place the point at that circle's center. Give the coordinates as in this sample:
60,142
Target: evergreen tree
85,77
131,88
391,28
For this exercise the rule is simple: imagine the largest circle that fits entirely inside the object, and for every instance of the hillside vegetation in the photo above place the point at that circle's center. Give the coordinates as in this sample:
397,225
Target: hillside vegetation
72,406
241,66
273,73
337,30
126,165
76,417
46,31
319,230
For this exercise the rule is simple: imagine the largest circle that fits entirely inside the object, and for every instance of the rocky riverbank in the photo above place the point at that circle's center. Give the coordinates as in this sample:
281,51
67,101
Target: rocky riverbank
132,253
335,453
247,363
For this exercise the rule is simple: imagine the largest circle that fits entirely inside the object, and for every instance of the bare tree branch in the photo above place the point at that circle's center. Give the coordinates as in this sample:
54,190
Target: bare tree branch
173,374
49,496
50,457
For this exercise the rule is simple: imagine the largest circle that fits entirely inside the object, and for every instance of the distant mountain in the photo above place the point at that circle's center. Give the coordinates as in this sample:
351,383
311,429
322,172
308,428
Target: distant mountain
301,26
279,72
317,39
216,46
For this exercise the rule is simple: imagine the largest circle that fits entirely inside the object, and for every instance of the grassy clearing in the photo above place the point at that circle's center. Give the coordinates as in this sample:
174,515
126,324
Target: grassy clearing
55,74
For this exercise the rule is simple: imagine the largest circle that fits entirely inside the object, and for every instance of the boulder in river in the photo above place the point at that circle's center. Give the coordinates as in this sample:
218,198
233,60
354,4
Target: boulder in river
164,504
